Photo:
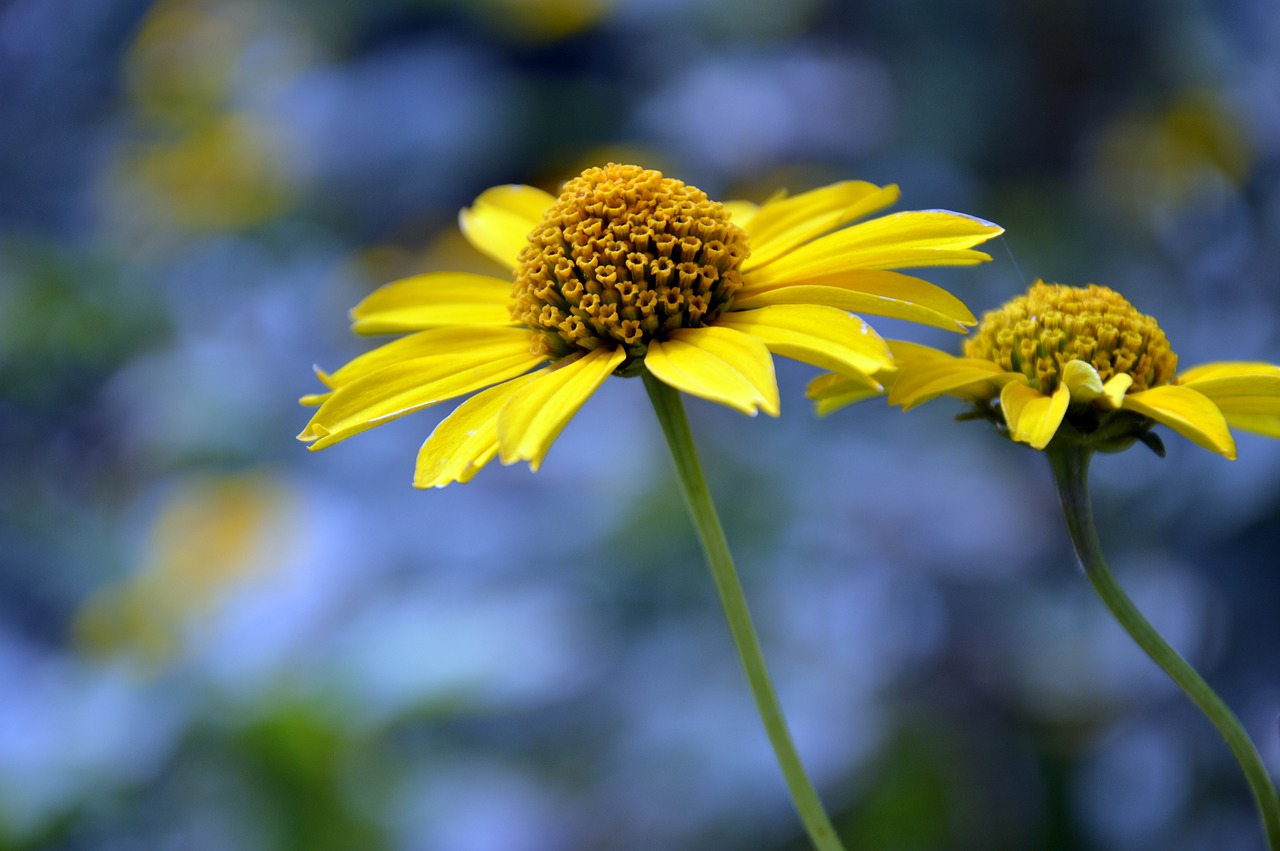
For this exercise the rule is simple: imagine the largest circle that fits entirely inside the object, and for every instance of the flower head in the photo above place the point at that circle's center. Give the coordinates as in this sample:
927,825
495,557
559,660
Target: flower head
628,270
1079,364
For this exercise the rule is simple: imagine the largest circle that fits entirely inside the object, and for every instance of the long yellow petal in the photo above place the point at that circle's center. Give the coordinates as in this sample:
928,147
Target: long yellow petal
467,439
919,382
877,292
499,222
313,400
1238,388
906,353
539,411
782,225
719,364
1033,417
1264,424
1226,369
466,345
399,389
434,301
1265,405
834,390
898,241
1188,412
823,336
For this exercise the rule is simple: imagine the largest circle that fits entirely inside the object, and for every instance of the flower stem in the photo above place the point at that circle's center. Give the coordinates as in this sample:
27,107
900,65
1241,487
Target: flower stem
1071,469
670,411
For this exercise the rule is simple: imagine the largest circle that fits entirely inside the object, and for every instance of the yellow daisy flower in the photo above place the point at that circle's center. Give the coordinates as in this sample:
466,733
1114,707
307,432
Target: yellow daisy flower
1083,364
628,271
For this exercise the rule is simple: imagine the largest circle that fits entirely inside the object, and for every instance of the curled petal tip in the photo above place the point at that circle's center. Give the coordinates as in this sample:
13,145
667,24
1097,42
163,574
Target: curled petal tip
322,375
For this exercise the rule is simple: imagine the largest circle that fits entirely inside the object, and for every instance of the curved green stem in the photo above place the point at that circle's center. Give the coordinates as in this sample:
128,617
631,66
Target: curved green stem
1071,469
670,411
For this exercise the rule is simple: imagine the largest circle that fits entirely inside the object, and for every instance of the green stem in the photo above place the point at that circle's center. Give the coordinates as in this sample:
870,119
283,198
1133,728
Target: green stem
670,411
1071,469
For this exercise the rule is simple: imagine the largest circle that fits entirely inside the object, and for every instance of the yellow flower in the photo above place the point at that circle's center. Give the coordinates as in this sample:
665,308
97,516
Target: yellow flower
1083,364
628,271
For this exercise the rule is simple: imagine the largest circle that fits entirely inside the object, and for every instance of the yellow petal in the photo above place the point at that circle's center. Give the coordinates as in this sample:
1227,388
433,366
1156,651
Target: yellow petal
1013,398
465,345
1082,380
1188,412
1115,388
1033,417
1039,421
399,389
782,225
1238,388
537,413
907,353
833,391
741,213
313,400
467,439
919,382
879,293
434,301
1264,424
719,364
435,353
1262,404
823,336
499,222
1226,369
899,241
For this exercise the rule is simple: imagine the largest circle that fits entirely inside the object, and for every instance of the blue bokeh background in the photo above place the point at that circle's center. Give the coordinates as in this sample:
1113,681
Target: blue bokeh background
212,639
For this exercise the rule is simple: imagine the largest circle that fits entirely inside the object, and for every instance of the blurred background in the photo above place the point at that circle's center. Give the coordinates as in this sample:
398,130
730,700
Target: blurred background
213,639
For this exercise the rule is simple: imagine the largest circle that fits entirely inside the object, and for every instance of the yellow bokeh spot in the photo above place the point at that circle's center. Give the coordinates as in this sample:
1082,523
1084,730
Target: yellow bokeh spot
211,536
1148,166
226,173
539,20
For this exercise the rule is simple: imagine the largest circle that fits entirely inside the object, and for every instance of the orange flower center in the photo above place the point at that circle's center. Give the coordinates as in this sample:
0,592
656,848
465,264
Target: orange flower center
623,257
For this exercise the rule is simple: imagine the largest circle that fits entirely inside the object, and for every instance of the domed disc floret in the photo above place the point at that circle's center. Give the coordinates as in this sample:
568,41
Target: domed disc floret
1039,333
623,257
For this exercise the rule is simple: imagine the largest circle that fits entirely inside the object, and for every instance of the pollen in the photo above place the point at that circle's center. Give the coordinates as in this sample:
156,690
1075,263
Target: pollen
1039,333
624,257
